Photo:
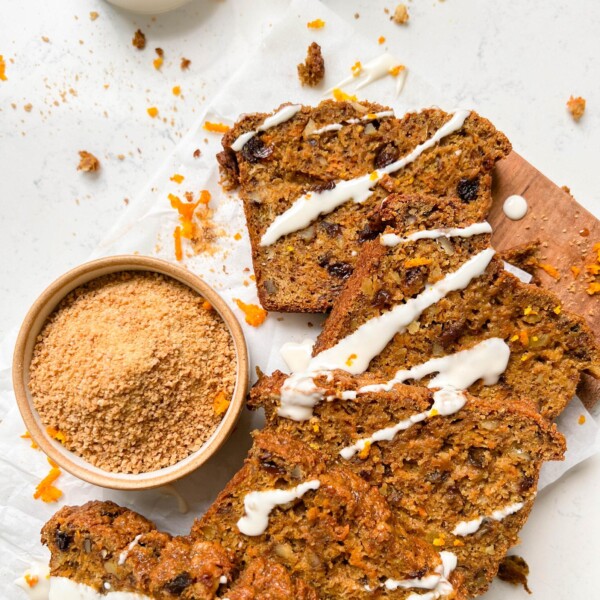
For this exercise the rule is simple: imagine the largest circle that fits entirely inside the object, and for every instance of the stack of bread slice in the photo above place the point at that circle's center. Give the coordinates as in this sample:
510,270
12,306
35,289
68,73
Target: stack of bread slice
401,457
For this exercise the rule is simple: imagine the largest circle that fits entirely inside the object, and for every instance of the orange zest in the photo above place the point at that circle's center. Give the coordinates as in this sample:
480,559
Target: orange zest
206,305
176,90
220,403
316,24
575,271
152,111
55,434
216,127
364,453
177,242
255,315
381,40
237,237
27,436
177,178
356,68
31,580
581,419
395,71
44,490
157,62
2,69
351,359
417,262
340,95
550,270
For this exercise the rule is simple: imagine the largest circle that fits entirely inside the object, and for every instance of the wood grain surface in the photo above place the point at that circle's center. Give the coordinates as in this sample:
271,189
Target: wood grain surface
567,232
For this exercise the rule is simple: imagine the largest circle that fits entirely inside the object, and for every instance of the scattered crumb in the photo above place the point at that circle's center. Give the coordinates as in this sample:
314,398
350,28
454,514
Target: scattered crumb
94,15
139,40
87,162
381,40
312,71
45,39
159,52
28,107
581,419
342,96
357,15
401,15
176,90
576,107
121,156
197,153
152,111
514,569
216,127
185,63
126,201
316,24
158,61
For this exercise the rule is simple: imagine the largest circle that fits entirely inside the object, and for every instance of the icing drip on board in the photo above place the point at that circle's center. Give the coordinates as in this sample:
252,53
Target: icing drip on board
366,119
309,206
258,506
281,116
515,207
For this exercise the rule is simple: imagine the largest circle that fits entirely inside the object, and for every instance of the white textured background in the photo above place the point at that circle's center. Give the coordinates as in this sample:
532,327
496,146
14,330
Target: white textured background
515,62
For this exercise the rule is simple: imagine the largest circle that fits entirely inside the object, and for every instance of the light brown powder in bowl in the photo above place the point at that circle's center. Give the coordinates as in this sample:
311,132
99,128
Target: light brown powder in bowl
135,370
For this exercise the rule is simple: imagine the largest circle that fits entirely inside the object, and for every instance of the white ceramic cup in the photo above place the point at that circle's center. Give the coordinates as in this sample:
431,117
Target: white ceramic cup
149,7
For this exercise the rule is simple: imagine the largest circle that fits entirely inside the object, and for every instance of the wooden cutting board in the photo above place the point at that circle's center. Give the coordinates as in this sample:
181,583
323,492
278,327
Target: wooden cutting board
567,232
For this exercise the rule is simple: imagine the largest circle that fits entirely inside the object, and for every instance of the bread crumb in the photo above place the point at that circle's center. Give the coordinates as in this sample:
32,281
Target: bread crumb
139,40
121,156
216,127
401,15
576,107
87,162
45,39
185,63
312,71
94,15
514,569
28,107
255,315
197,153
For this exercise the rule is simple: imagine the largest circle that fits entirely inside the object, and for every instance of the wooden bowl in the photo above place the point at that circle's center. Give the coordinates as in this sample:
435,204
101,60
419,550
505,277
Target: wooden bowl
35,320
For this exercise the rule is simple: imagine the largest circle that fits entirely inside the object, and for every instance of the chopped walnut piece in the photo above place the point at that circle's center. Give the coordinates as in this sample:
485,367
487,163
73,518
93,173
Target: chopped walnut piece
185,63
139,40
576,107
87,162
312,71
401,15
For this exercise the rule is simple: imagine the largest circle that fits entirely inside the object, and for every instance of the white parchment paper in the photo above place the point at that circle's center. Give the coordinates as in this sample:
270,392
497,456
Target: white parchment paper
267,79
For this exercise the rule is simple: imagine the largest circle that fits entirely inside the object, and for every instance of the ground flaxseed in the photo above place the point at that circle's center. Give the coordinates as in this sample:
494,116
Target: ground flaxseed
128,368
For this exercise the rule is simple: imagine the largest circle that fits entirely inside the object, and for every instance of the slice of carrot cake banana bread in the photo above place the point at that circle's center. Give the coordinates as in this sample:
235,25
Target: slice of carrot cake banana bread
309,177
422,291
459,472
324,523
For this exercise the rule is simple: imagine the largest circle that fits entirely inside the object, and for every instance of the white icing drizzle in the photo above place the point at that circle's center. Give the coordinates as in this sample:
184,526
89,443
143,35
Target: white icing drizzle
524,276
338,126
123,556
309,206
486,360
281,116
354,352
41,589
372,71
392,239
515,207
62,588
465,528
258,506
445,402
439,583
223,579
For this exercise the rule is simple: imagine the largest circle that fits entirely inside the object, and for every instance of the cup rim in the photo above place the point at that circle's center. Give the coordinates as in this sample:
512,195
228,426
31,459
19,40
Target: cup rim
32,324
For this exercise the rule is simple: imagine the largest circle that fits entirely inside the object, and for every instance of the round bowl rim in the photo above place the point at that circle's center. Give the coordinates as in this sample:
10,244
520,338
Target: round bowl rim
47,302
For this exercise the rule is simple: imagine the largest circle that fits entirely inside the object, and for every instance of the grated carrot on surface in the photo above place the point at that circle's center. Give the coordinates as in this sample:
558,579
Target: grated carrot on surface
593,289
417,262
216,127
152,111
206,305
177,242
186,214
351,359
255,315
55,434
364,453
356,68
341,96
177,178
316,24
44,490
31,580
552,271
524,337
2,69
204,197
237,236
221,403
157,62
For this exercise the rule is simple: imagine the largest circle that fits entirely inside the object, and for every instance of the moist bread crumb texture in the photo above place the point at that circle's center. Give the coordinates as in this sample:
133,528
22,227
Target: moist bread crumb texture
128,367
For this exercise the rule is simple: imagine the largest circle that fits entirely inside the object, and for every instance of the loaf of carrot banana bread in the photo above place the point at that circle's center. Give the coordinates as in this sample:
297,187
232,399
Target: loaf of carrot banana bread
309,178
458,472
